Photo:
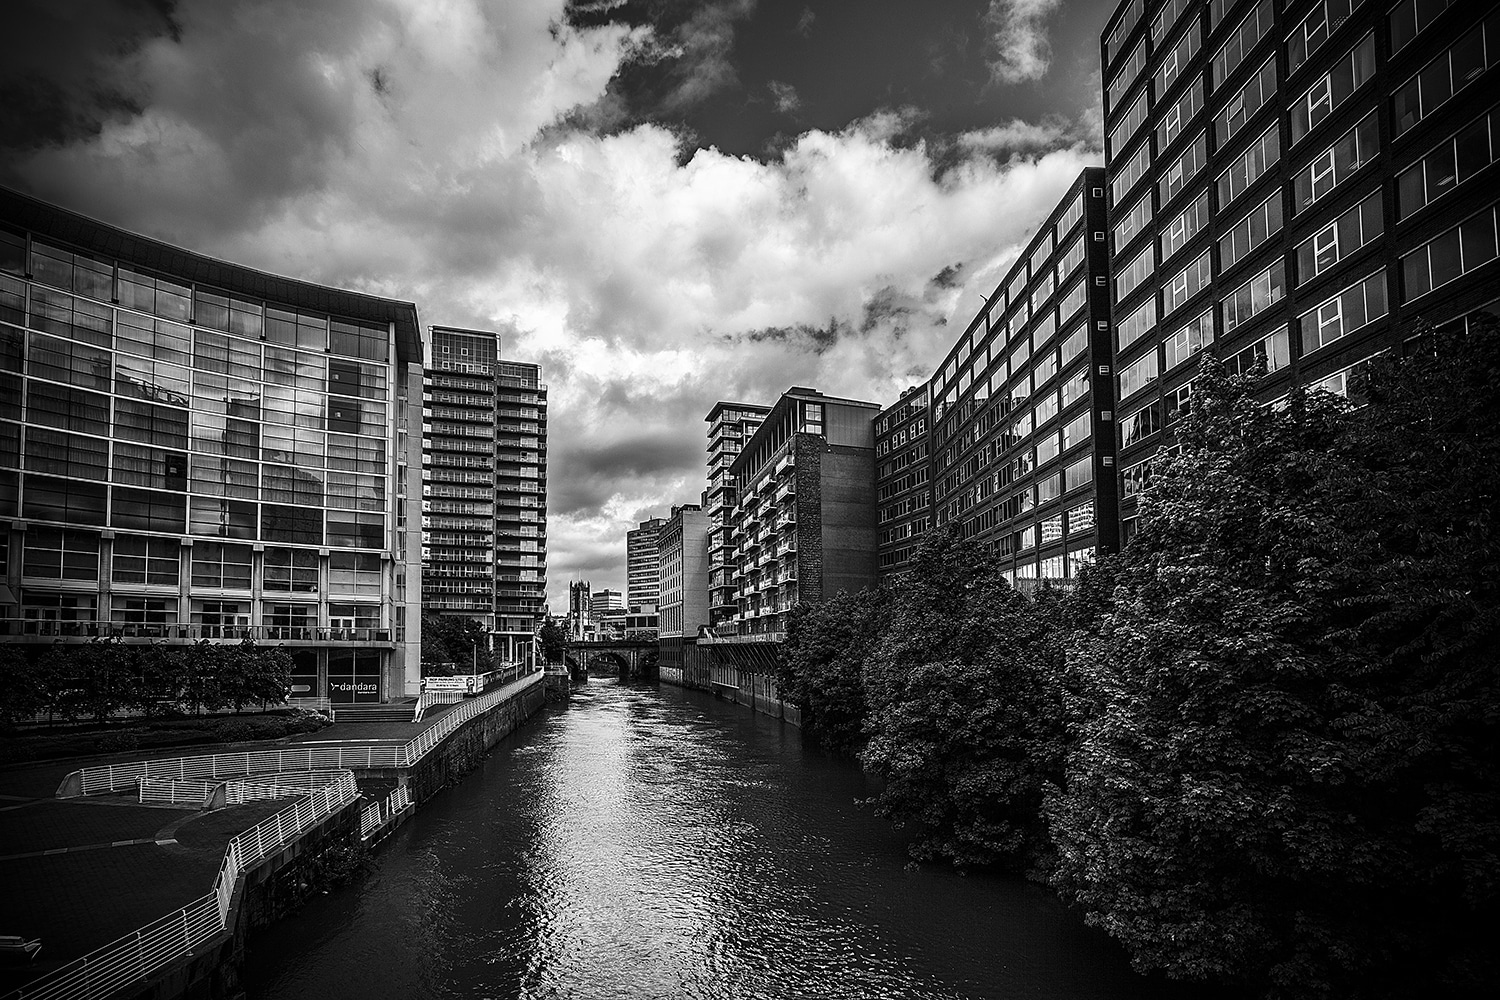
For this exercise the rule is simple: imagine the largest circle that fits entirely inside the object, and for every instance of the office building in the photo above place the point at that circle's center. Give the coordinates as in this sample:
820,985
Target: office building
194,450
683,548
1299,186
603,602
484,506
730,425
804,521
903,483
642,564
1022,442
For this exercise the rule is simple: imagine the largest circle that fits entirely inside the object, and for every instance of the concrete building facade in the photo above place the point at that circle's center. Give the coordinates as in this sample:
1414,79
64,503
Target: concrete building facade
193,450
730,425
683,545
484,505
804,522
643,564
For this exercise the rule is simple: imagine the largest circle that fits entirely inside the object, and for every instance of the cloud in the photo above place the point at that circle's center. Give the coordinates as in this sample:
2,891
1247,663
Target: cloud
1018,45
805,22
785,96
429,151
1017,136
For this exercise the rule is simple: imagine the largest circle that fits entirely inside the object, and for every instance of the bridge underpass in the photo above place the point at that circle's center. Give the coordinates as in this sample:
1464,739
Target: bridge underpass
627,658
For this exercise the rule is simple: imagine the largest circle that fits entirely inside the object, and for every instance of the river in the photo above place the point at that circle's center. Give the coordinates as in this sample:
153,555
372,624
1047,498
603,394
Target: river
650,842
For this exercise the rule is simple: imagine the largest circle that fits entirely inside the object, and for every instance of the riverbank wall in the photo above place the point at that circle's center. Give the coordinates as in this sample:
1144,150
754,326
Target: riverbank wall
196,953
742,673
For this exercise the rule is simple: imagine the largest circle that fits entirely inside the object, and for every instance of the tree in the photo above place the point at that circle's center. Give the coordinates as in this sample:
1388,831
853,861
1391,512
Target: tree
553,639
820,664
1282,767
25,692
965,716
454,644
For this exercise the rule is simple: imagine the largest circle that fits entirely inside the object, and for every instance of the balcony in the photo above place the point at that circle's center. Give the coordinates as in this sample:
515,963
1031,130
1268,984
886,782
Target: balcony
85,630
789,490
784,464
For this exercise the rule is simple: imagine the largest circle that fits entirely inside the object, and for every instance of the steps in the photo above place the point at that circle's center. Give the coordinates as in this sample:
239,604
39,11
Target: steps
399,711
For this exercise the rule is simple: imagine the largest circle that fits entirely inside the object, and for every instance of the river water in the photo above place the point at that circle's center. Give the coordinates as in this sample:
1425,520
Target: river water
650,842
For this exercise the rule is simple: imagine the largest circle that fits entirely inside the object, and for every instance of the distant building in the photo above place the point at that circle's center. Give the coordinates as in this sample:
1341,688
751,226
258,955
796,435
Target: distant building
683,547
637,623
730,425
1302,186
602,602
580,621
804,522
642,564
485,488
191,450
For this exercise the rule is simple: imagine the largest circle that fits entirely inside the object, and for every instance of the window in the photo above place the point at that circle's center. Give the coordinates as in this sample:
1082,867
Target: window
1076,431
1073,300
1132,221
1333,88
1183,169
1448,74
1122,29
1137,324
1179,115
1467,246
1351,231
49,498
1071,218
1272,352
73,318
1313,31
1335,164
1255,296
1129,125
1071,258
1141,424
69,409
1243,105
1186,283
354,574
297,525
1191,339
221,566
1356,306
60,554
1132,274
145,560
1242,41
147,510
1263,222
1129,173
1137,376
351,529
142,465
72,272
1454,161
1409,18
222,518
153,338
291,570
57,453
1166,18
1184,226
1127,74
1341,383
1263,153
1173,63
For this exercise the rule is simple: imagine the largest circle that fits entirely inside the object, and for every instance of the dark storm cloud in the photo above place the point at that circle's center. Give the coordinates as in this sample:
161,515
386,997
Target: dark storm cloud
59,67
588,475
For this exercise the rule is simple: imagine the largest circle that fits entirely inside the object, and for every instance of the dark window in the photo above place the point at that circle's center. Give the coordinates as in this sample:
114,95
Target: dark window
148,510
49,499
298,525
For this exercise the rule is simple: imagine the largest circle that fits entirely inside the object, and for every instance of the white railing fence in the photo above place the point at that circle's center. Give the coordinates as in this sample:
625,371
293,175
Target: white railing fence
167,791
142,952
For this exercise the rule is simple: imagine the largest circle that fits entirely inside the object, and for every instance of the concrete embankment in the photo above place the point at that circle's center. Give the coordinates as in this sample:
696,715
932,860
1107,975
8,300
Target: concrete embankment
267,871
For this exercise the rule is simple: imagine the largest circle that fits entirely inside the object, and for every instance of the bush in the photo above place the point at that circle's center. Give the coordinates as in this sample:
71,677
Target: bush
118,742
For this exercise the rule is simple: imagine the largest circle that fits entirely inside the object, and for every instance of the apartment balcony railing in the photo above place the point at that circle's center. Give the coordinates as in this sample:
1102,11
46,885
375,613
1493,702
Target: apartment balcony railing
785,463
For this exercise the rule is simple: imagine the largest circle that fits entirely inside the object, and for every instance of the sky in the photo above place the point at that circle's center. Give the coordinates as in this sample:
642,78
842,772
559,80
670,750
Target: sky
664,203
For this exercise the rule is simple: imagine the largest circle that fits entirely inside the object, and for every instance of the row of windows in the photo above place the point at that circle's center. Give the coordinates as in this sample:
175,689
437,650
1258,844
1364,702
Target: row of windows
204,307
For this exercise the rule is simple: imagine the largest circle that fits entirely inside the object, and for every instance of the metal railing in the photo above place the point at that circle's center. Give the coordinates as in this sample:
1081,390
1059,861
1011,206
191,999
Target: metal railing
167,791
349,756
377,814
141,953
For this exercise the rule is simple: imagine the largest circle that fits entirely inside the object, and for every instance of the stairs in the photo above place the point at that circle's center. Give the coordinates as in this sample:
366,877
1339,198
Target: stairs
396,711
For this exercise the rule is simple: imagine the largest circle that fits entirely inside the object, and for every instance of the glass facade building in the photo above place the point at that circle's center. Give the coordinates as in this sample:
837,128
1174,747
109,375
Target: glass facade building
484,488
191,450
1296,185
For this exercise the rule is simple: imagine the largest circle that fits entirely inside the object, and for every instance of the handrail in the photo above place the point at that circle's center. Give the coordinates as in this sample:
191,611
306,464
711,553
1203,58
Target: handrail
140,953
362,756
